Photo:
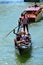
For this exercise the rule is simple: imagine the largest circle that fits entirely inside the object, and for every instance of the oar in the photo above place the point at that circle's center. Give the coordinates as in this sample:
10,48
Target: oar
10,31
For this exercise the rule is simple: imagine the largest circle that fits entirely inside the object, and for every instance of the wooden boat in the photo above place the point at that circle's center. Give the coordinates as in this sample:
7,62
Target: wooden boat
22,45
34,13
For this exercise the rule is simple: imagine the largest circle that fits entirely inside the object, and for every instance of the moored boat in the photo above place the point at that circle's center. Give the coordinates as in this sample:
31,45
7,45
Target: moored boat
22,44
34,13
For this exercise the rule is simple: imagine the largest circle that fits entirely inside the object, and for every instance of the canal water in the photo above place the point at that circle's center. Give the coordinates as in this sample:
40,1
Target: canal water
9,14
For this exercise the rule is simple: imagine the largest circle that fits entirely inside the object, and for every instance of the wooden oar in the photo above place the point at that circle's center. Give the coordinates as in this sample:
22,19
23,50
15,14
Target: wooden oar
10,31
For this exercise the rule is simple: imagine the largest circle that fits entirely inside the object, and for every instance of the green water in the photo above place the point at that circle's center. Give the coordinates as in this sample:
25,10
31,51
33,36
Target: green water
9,15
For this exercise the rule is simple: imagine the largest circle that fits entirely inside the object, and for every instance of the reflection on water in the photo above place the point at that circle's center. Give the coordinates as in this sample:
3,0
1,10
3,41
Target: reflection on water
24,57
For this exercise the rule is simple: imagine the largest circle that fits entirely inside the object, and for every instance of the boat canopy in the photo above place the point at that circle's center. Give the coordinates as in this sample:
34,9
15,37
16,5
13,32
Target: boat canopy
32,9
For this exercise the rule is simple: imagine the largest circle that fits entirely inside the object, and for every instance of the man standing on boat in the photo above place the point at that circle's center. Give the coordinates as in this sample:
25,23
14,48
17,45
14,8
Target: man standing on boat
20,21
25,22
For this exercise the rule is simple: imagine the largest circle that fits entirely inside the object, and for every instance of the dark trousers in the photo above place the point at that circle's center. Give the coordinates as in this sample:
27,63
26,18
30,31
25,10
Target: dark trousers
19,26
25,25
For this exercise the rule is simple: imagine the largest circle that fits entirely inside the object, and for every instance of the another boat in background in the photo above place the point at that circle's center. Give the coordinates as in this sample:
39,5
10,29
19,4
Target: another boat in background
34,13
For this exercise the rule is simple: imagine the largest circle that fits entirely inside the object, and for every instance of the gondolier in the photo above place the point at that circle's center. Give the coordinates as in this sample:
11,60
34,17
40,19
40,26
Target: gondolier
25,22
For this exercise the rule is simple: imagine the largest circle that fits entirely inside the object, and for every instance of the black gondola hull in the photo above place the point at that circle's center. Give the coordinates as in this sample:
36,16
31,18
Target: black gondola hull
23,48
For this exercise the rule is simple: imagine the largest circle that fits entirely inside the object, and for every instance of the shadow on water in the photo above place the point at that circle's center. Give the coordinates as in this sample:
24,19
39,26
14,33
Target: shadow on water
24,57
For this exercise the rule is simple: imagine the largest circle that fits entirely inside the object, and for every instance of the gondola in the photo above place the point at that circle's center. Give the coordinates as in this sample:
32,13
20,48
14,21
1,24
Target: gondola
22,45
